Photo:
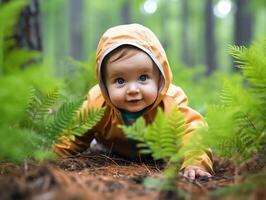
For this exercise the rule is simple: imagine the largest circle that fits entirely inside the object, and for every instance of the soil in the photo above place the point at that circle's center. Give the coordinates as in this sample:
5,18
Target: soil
94,175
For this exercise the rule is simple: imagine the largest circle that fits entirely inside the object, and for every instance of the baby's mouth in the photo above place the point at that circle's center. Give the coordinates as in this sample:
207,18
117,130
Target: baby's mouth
134,100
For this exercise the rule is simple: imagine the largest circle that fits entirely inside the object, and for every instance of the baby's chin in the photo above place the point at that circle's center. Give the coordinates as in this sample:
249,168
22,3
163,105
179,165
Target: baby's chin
135,109
134,106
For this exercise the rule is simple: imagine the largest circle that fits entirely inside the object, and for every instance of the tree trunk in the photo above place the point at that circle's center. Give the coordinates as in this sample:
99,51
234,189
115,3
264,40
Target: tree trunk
27,32
126,12
165,38
75,26
243,23
186,58
210,52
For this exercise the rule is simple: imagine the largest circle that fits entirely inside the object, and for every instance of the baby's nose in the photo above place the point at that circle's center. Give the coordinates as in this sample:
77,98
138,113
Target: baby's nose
133,88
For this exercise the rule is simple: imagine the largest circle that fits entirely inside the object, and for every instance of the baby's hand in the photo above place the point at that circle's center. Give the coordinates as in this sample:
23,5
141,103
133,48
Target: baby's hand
192,172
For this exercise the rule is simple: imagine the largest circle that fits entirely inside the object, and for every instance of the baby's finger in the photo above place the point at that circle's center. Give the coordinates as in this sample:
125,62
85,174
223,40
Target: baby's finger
191,174
185,174
199,172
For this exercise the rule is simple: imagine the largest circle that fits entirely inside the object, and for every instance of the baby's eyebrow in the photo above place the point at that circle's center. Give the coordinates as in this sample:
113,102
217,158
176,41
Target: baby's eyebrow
115,74
143,71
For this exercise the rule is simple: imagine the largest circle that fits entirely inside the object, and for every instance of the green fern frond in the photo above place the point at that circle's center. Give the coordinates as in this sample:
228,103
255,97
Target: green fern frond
154,135
253,64
244,120
254,70
162,138
49,123
238,52
221,128
233,95
174,129
236,125
177,125
63,118
137,130
41,104
229,137
87,119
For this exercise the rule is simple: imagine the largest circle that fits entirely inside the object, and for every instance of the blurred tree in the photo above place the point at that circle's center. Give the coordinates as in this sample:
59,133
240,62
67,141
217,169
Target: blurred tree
27,32
210,53
196,32
185,32
243,23
126,12
55,24
76,34
14,35
4,1
164,16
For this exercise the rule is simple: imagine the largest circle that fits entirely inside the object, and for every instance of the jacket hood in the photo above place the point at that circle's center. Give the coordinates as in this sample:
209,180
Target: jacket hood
138,36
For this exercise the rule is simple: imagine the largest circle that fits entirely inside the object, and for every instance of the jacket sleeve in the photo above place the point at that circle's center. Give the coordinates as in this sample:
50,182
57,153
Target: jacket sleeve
202,159
66,146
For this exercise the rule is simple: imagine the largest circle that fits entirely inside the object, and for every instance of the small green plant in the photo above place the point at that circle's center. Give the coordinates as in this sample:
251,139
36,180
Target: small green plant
46,119
51,118
237,125
30,134
163,140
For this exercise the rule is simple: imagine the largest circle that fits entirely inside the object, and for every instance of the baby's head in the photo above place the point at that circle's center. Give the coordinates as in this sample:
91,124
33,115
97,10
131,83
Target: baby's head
131,78
132,68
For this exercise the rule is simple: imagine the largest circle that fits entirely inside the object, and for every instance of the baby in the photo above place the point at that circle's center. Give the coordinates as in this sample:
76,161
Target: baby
134,79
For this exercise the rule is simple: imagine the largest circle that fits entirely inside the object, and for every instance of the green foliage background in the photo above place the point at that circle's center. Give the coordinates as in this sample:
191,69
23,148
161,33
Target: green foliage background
236,116
237,124
24,132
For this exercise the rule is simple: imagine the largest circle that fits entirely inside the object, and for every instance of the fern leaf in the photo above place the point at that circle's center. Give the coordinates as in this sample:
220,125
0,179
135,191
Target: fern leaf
87,119
137,130
162,138
154,134
63,118
40,104
253,65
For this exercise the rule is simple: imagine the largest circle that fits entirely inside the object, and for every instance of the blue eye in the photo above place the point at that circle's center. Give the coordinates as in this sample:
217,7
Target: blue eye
120,81
143,77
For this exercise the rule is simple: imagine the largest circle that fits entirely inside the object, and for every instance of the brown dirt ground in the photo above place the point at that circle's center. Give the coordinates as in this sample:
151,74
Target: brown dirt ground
93,175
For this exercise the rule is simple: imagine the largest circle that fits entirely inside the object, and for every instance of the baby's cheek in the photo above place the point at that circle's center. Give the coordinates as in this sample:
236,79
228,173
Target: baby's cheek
150,96
116,96
152,90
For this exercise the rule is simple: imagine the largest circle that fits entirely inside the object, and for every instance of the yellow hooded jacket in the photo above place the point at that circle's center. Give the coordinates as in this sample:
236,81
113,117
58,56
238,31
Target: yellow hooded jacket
106,131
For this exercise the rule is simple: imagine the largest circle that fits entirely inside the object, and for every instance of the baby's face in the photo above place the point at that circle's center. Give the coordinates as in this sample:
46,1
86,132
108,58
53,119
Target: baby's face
133,82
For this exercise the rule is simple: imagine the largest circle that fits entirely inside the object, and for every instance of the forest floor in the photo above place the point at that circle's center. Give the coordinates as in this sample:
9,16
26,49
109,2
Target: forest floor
93,175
